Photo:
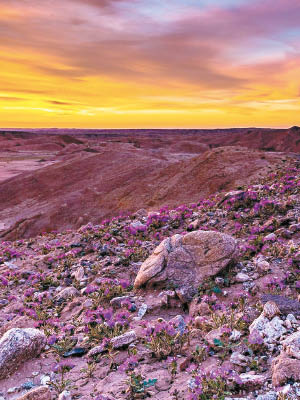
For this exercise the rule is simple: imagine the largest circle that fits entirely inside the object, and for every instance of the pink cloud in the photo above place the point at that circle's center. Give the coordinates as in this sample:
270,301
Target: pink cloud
193,48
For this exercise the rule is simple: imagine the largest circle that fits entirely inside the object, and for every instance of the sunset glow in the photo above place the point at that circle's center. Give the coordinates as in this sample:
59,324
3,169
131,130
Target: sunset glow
140,63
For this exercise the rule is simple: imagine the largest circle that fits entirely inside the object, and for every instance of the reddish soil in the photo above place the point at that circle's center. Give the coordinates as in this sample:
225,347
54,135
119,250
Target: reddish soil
47,177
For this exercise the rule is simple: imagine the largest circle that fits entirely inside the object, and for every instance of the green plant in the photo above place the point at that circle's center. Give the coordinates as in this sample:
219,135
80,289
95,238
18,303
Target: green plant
110,355
206,287
283,396
175,395
89,370
137,386
215,384
200,354
97,332
172,368
64,345
106,290
232,319
61,384
166,339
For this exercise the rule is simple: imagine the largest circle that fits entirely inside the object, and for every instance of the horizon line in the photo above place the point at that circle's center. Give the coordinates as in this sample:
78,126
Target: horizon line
145,128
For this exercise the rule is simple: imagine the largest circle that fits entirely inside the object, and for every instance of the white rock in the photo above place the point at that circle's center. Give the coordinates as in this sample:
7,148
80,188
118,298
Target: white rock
66,293
141,312
236,398
10,265
124,340
270,238
235,335
252,379
267,396
65,395
269,330
263,265
96,350
219,280
242,277
79,274
45,379
288,324
239,359
292,319
138,225
291,345
12,390
297,388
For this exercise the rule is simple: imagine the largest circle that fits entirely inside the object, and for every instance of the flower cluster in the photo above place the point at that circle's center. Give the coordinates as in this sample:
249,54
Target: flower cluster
213,384
104,323
165,338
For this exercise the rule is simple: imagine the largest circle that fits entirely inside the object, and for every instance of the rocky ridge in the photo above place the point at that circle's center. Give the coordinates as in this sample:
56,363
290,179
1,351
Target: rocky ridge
110,334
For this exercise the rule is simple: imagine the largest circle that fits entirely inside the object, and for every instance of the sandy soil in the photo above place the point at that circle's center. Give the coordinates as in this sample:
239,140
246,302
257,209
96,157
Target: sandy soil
12,165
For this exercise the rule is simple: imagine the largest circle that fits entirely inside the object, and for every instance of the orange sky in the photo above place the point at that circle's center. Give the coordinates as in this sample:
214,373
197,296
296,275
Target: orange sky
139,64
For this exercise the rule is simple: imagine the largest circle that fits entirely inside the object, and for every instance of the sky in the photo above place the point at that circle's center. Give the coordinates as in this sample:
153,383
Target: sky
143,63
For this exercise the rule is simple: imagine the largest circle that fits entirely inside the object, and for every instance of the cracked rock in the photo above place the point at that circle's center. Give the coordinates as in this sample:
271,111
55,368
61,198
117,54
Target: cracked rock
185,261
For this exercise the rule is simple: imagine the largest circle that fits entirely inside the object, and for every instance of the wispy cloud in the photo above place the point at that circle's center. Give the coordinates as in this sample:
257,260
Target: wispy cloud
115,52
11,98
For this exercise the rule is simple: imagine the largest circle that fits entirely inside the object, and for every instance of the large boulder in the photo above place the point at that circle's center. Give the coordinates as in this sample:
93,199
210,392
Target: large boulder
18,346
185,261
285,368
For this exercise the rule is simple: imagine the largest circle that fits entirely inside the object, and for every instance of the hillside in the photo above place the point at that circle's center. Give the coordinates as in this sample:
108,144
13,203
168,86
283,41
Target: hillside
120,178
212,313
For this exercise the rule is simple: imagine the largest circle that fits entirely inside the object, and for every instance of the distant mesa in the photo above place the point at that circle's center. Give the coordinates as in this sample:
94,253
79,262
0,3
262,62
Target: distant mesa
295,128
